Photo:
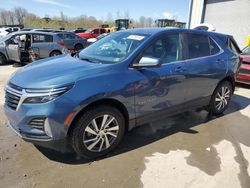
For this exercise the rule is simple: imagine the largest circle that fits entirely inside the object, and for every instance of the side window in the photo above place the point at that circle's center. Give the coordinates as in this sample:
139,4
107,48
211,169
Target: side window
232,46
96,31
167,48
197,45
103,31
155,50
61,36
172,48
14,40
38,38
69,36
214,49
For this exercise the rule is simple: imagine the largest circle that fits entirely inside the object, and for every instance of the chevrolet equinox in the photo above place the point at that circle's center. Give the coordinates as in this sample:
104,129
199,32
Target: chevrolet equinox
87,101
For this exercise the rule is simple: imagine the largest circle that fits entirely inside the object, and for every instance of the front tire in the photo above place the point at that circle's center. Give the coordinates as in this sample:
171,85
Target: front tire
78,47
221,98
98,132
3,59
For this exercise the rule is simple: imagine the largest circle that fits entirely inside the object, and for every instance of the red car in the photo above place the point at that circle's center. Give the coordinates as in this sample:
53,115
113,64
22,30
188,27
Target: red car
92,33
244,72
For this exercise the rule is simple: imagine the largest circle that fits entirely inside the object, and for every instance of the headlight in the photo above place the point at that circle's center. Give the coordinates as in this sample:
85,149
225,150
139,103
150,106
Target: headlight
44,95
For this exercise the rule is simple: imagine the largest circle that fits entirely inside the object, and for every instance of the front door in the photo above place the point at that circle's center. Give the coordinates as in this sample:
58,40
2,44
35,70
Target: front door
12,49
161,90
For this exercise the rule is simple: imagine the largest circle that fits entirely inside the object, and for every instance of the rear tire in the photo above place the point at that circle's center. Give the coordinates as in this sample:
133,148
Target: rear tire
3,59
221,98
98,132
55,53
78,47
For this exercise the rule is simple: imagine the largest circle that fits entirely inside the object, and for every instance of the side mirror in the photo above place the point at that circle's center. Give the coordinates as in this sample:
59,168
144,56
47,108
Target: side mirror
148,62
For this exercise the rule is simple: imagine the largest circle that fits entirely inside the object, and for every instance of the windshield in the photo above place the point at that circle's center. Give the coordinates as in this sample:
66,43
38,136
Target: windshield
88,30
246,51
2,39
113,48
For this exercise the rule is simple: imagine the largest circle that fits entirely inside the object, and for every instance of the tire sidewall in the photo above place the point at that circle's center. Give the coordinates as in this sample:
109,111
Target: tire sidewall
78,47
213,108
2,59
83,122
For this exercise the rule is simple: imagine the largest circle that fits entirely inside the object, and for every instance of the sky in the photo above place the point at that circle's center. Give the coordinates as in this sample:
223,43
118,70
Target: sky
101,8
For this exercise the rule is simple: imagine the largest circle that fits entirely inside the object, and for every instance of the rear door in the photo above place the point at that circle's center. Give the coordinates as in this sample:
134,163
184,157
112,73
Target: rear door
12,49
42,44
69,40
206,64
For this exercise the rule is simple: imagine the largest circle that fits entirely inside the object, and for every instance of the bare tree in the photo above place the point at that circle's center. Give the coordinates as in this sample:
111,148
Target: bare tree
4,16
109,17
126,14
20,14
142,21
149,22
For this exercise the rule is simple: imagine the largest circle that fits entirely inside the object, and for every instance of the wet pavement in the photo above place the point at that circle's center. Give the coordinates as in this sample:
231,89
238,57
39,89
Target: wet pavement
192,149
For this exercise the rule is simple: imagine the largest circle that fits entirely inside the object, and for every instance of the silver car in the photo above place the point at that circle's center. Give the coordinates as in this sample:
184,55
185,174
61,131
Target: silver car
72,41
40,44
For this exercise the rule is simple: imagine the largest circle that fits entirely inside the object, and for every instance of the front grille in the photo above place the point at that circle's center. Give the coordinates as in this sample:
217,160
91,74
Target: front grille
244,71
12,100
37,123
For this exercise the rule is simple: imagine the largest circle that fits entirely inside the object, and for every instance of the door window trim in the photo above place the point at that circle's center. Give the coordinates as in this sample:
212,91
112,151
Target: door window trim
185,40
139,56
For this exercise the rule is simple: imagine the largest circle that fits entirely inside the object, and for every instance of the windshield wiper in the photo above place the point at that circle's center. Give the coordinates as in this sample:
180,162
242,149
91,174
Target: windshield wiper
91,60
87,59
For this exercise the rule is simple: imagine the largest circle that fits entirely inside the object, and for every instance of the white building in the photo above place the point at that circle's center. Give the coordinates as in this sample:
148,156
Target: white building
227,16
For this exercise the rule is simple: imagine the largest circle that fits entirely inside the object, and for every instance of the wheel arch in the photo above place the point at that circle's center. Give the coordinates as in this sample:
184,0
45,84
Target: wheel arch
109,102
230,79
55,51
4,55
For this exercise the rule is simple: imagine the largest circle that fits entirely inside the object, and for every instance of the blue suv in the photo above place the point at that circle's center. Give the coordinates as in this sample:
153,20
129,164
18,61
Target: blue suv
87,101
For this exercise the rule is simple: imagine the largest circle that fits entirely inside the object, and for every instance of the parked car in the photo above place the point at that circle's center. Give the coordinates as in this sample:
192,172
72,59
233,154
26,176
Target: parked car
88,101
6,30
79,30
92,33
72,41
42,44
92,40
48,30
243,75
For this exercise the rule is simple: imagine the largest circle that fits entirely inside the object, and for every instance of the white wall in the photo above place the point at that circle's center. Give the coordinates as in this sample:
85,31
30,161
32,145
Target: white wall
196,13
231,17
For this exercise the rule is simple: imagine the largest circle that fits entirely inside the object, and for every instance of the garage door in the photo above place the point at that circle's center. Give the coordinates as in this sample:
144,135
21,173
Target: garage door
229,16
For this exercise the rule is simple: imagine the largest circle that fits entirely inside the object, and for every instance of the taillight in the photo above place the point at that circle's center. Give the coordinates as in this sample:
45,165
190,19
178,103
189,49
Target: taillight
241,58
61,43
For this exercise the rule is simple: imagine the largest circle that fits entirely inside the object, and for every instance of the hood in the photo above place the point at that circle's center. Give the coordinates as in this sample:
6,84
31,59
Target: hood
55,72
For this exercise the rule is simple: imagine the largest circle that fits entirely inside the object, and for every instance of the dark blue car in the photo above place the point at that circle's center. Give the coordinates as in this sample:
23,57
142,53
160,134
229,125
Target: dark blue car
89,100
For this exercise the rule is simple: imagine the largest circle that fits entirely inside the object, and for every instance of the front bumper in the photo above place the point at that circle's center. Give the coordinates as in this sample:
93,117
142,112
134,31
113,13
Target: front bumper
54,133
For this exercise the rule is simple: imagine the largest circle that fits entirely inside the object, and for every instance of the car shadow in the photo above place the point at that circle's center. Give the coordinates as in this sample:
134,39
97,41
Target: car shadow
243,85
152,132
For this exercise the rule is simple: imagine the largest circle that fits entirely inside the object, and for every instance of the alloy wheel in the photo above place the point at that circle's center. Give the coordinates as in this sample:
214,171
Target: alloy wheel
222,98
101,133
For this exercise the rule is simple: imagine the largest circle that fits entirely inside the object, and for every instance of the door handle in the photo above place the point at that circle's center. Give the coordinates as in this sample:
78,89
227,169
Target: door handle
180,69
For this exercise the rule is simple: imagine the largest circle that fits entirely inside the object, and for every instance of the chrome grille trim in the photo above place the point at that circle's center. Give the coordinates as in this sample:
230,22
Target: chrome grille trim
12,97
